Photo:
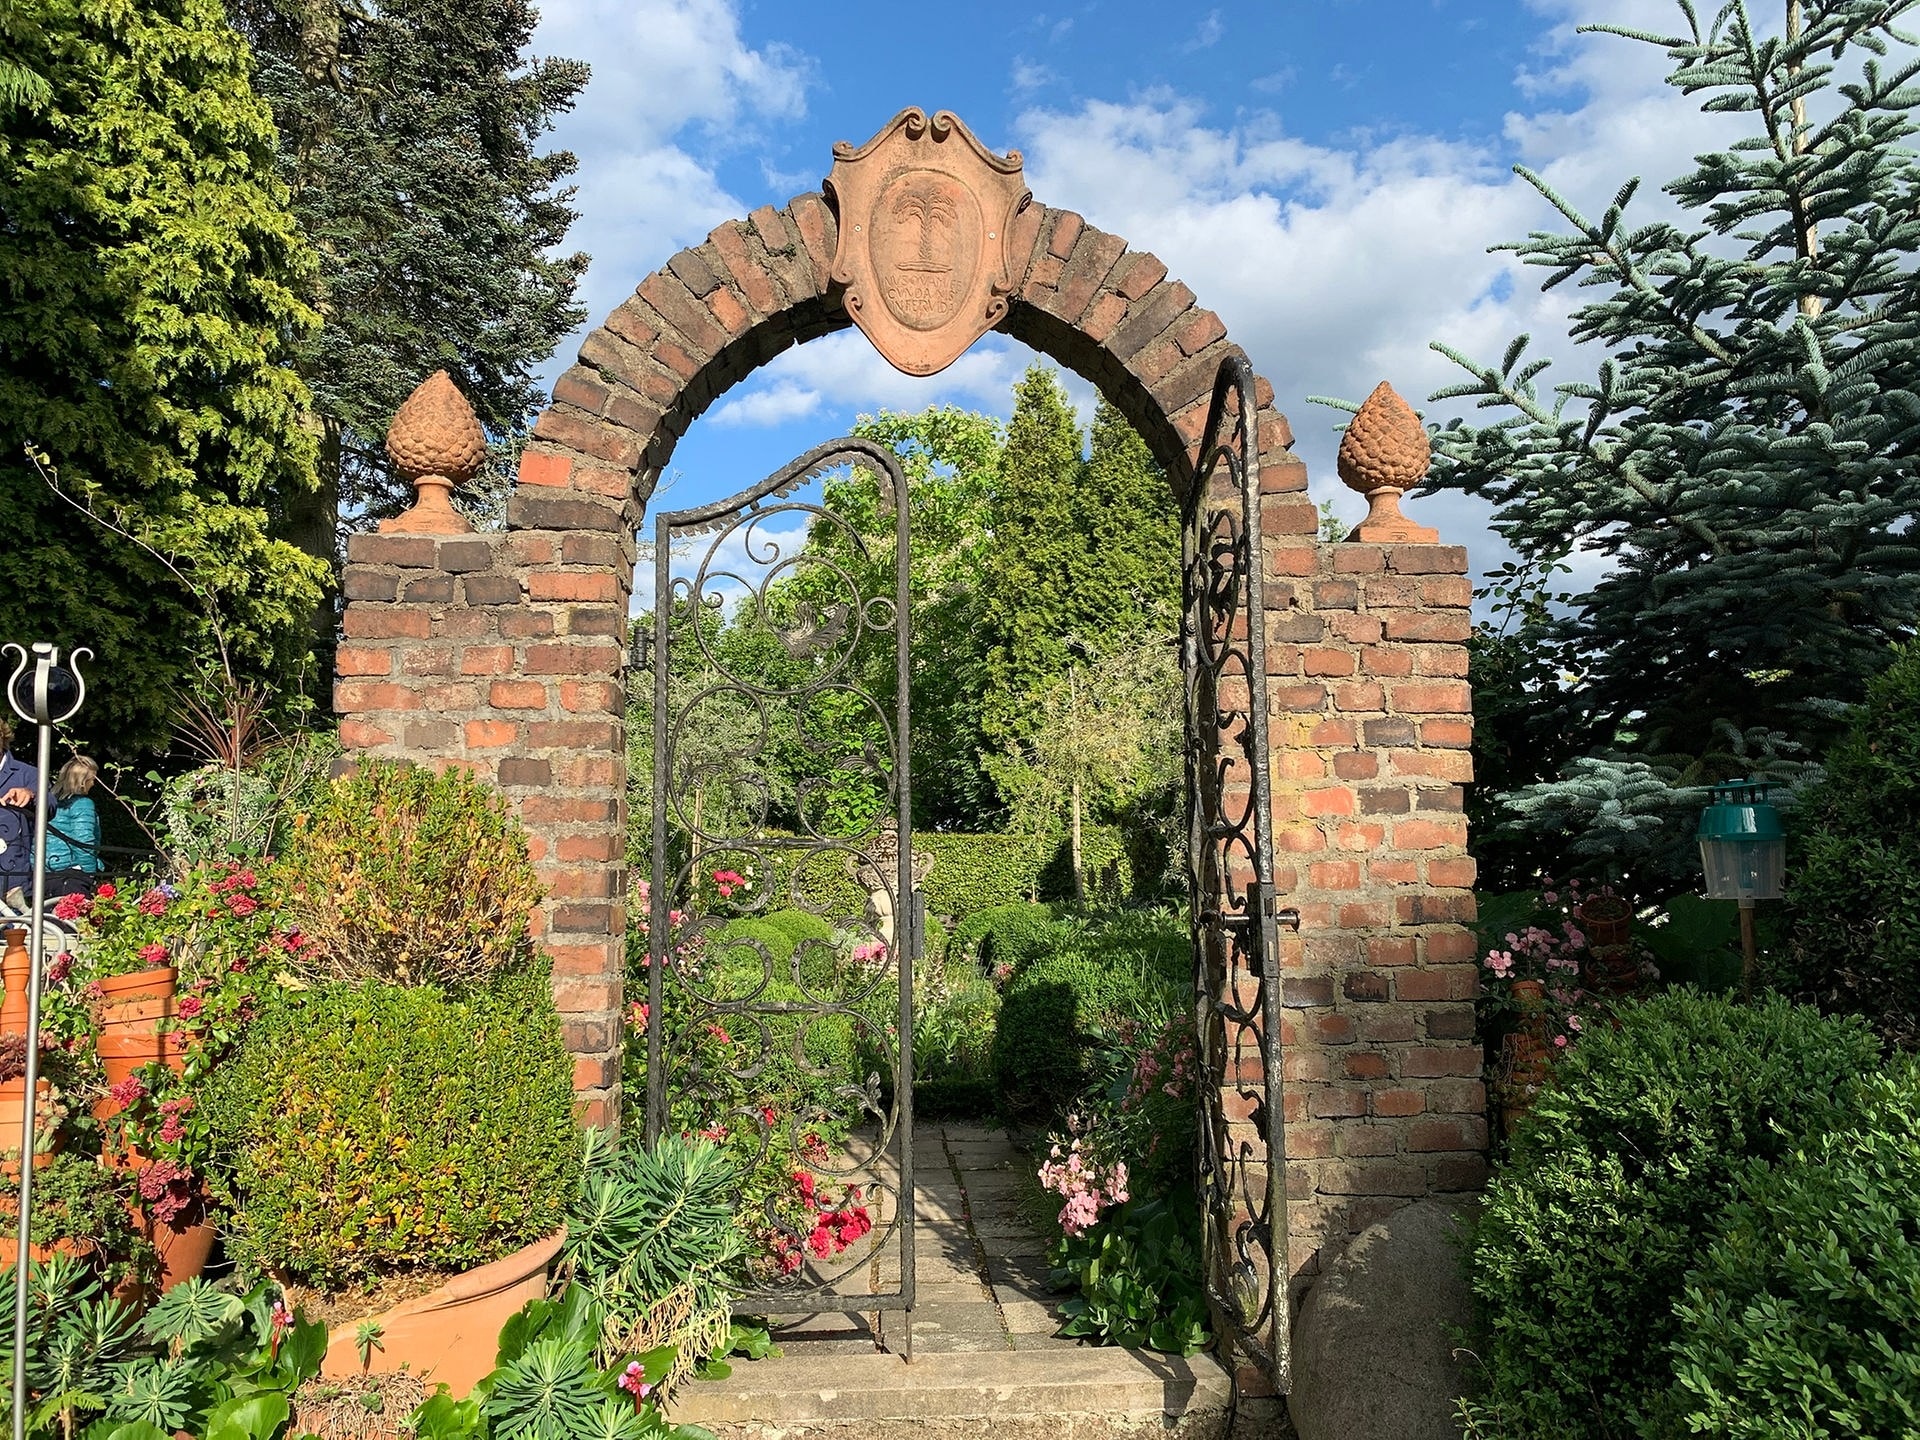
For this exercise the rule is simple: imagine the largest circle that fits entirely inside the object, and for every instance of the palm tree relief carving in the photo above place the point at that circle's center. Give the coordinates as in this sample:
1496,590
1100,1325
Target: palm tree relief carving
934,210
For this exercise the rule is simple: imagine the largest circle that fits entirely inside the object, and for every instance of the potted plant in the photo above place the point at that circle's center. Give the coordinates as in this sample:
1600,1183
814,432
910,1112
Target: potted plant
1532,998
82,1209
1606,917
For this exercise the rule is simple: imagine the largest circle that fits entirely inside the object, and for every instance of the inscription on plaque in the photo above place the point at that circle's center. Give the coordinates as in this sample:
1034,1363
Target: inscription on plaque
929,221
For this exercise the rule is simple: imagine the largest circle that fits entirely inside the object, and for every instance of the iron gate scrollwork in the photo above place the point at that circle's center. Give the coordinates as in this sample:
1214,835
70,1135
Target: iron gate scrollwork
781,783
1230,858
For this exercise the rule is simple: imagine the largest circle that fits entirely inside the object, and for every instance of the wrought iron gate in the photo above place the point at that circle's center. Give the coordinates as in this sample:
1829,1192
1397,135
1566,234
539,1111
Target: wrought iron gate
734,1002
1235,915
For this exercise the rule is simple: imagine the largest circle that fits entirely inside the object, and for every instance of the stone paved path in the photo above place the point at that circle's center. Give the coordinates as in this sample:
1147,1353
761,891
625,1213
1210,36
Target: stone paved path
985,1355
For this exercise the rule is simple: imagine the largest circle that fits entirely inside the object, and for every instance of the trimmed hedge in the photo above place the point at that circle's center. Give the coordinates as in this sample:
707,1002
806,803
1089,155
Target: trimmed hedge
1804,1318
1615,1188
968,873
372,1129
1073,985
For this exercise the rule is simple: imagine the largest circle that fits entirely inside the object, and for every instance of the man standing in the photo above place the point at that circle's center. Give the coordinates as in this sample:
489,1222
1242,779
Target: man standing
19,782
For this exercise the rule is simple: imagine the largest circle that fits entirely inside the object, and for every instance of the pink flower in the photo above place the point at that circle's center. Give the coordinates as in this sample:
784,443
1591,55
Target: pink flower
153,954
281,1318
820,1242
634,1382
154,902
719,1032
128,1091
1560,1041
70,907
60,967
191,1005
242,905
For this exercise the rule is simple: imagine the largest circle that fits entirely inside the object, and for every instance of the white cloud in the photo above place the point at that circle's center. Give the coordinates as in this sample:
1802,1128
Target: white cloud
1209,33
1334,266
842,373
775,404
666,73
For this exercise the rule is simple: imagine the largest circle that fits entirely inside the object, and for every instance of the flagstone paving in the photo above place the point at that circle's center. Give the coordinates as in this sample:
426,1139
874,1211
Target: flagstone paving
985,1355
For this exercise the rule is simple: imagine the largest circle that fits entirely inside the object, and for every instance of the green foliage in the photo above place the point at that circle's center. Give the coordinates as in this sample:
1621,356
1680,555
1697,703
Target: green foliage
408,140
152,269
411,876
1137,1278
1854,884
215,1364
1074,984
1739,471
1803,1319
956,1012
650,1220
1698,944
1613,1192
374,1129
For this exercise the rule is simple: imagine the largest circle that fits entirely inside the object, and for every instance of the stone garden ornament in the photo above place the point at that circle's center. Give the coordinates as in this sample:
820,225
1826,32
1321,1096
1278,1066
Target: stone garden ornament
931,222
437,443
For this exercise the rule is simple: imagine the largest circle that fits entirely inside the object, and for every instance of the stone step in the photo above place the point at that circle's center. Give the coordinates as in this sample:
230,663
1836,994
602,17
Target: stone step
1057,1390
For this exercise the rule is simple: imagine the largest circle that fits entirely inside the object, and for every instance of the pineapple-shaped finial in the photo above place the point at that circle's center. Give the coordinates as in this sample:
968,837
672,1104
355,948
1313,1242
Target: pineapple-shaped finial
1384,452
437,443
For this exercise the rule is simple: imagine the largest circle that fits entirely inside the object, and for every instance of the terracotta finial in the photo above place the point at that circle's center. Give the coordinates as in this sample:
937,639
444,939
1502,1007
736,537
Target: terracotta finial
1385,451
436,442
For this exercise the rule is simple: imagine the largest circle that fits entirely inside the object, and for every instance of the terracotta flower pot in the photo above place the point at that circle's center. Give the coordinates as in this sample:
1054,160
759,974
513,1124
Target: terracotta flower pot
1524,1066
129,1014
17,968
10,1243
451,1335
185,1243
13,1125
1606,919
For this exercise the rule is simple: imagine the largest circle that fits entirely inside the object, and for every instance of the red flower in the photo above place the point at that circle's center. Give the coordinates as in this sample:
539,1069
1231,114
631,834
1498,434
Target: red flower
105,892
242,905
719,1032
60,968
154,954
128,1091
820,1242
70,907
191,1005
154,902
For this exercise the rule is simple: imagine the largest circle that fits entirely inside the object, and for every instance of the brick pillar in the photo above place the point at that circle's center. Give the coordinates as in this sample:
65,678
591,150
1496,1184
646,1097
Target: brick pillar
502,654
1370,725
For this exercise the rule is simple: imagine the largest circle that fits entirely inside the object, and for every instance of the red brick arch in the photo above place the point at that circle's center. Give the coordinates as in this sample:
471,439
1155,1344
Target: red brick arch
503,653
720,310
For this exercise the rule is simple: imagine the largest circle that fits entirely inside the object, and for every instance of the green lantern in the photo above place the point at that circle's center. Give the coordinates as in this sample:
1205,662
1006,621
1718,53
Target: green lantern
1742,845
1743,849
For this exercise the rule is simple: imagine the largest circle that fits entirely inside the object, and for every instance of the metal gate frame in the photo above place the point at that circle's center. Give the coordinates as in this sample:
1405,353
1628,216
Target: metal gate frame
740,515
1235,912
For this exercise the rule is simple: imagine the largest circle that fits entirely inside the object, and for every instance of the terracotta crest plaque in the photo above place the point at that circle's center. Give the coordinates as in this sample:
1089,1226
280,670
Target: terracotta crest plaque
931,222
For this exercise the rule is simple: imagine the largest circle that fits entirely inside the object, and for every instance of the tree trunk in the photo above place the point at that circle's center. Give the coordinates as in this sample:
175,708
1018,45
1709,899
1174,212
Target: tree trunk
1079,867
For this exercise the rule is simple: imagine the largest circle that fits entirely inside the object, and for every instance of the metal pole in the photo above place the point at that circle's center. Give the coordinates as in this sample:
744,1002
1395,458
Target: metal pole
1749,960
44,660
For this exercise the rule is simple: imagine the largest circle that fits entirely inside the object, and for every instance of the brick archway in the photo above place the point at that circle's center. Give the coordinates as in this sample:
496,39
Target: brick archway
502,653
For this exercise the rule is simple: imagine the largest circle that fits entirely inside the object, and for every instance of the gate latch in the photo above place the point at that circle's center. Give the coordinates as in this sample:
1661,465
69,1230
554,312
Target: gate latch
1271,908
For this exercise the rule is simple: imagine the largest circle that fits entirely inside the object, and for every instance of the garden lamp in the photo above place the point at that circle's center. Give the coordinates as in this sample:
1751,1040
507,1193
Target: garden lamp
1744,851
43,693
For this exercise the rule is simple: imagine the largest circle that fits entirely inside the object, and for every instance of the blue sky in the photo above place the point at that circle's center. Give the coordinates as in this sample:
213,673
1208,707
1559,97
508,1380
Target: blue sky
1326,174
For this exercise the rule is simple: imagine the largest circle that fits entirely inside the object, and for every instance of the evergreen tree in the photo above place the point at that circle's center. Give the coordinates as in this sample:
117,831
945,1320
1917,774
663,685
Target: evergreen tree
1130,579
409,133
1029,574
1744,458
150,269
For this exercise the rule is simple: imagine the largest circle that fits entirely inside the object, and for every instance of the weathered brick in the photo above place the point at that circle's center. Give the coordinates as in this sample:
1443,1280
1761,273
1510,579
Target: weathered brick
366,622
1450,1132
360,660
362,582
572,585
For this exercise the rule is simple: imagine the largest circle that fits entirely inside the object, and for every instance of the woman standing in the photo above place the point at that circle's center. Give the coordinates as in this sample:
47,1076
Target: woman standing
73,829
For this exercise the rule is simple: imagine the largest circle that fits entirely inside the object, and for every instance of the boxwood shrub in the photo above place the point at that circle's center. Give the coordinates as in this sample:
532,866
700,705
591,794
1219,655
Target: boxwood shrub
1614,1191
371,1129
1804,1317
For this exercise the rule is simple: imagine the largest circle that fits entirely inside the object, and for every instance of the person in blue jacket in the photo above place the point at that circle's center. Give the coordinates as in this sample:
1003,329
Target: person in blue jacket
73,829
18,783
